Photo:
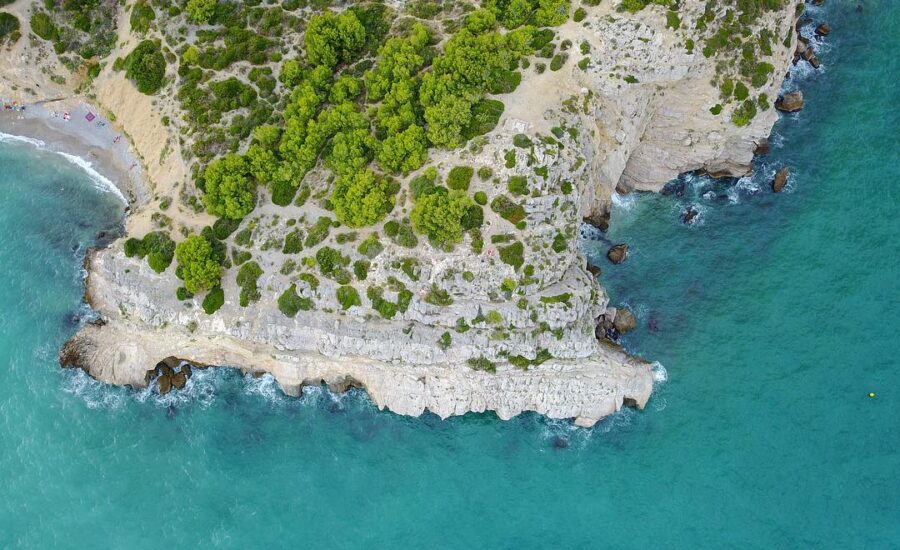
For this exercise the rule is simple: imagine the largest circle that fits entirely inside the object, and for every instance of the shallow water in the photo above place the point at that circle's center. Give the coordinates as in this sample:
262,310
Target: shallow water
774,316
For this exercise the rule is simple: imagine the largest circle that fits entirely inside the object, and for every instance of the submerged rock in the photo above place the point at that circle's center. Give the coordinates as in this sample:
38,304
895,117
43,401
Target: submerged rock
560,442
780,180
618,253
689,214
790,102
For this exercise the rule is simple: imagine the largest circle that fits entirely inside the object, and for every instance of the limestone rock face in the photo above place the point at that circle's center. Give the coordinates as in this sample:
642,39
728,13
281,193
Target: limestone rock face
586,390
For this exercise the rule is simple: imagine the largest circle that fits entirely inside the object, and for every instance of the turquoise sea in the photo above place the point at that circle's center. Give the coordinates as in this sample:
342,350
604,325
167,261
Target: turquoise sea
774,316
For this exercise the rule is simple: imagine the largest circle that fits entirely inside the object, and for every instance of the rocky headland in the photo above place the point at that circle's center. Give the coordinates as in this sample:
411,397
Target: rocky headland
644,105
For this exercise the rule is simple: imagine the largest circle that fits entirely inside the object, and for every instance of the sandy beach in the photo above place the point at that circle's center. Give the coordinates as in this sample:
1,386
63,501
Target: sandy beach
78,130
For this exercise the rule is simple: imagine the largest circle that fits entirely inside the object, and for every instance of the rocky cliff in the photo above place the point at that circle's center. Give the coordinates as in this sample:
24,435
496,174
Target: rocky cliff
637,110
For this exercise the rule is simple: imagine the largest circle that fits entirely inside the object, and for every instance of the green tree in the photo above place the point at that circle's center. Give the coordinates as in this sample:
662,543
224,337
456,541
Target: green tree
361,198
438,216
331,39
230,192
200,11
146,67
197,264
403,152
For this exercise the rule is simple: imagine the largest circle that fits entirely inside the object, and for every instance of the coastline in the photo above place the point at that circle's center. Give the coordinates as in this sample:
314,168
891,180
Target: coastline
587,382
95,149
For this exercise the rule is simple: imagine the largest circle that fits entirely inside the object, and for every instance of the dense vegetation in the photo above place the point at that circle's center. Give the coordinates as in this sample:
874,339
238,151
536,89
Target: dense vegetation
146,67
9,27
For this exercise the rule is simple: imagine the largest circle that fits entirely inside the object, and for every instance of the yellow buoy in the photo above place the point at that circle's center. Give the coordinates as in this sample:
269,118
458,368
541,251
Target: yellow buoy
871,394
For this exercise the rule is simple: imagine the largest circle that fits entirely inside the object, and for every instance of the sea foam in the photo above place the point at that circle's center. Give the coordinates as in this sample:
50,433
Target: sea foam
101,182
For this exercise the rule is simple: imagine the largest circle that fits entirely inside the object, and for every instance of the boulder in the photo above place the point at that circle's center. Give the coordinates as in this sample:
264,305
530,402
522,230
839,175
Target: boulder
594,270
165,384
617,253
762,147
790,102
814,61
802,48
823,30
624,320
179,379
186,369
780,180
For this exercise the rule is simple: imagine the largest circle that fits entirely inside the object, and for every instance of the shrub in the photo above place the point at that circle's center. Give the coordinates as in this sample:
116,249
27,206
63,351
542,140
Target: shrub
348,297
200,11
318,232
522,141
146,67
559,243
141,17
9,26
485,115
672,19
361,269
579,16
224,227
438,296
289,303
513,254
214,300
293,242
482,363
485,173
740,91
558,61
439,215
43,26
247,277
716,109
370,247
744,113
459,177
183,294
507,209
481,197
517,185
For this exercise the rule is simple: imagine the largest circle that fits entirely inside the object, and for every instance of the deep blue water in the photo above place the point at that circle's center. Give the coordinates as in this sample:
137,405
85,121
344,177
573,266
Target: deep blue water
775,316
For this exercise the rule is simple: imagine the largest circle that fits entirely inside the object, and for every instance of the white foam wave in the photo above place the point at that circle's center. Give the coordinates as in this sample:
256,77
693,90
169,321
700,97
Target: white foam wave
96,395
660,374
102,182
625,202
6,138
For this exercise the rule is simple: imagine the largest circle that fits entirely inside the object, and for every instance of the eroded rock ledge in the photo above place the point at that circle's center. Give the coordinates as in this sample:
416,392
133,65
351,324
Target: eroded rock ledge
586,390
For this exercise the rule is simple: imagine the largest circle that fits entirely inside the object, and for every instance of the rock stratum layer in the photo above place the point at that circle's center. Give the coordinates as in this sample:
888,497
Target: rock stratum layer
632,118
